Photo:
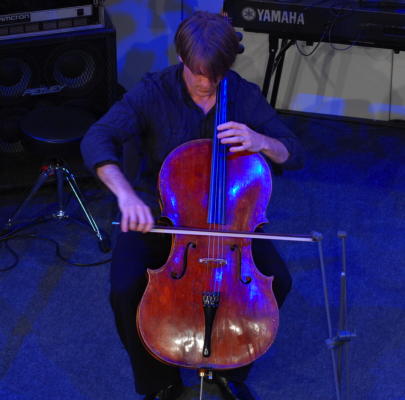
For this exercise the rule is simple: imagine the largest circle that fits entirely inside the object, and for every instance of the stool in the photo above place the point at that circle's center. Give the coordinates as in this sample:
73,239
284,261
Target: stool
54,131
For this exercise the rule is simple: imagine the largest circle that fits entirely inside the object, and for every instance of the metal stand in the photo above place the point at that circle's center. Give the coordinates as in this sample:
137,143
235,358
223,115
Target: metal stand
340,343
204,374
62,173
275,63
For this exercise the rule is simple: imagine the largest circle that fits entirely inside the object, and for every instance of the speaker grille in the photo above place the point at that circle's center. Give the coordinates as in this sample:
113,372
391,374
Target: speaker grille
78,70
74,69
15,76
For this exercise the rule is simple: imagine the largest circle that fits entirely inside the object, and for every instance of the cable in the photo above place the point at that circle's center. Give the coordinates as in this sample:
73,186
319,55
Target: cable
338,13
4,241
13,253
65,259
354,42
311,52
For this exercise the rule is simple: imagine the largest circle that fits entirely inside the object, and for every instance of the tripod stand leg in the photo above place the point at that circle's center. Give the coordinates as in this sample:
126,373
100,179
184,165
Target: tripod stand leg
329,320
59,183
40,181
343,353
104,242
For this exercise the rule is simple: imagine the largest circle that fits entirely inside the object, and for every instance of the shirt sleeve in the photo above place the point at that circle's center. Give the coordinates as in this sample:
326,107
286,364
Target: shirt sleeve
262,118
103,142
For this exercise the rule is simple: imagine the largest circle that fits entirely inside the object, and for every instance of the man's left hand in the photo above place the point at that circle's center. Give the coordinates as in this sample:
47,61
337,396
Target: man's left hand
240,134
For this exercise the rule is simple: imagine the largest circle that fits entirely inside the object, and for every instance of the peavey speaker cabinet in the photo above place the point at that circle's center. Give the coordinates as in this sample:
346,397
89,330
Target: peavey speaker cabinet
77,68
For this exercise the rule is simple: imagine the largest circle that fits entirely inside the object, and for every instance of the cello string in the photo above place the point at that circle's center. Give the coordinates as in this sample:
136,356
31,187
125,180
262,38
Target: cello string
213,196
220,183
217,177
220,195
223,118
217,188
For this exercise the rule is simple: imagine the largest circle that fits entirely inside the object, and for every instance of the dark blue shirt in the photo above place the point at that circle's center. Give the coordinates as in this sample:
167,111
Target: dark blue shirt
158,115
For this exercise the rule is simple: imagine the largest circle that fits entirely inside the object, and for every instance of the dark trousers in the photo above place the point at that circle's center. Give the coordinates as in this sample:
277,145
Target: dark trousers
133,253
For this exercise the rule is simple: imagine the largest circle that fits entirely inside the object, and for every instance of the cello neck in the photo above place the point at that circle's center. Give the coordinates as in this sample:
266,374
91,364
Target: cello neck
216,205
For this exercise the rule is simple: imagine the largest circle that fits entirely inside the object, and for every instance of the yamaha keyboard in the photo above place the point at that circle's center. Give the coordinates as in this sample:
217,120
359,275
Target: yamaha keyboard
321,21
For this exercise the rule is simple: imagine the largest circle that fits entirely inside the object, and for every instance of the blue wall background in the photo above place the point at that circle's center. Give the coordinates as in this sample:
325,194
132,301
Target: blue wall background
145,31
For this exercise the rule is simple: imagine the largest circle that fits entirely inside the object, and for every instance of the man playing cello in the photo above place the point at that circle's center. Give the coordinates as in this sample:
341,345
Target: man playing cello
164,110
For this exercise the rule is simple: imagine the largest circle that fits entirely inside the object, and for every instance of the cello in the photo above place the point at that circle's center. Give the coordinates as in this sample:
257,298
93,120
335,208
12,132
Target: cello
209,307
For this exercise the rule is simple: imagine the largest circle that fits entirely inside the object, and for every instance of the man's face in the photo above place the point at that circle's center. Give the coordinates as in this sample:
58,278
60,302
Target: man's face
199,85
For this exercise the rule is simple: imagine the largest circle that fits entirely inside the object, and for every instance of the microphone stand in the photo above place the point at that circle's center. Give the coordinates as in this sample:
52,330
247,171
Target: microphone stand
340,343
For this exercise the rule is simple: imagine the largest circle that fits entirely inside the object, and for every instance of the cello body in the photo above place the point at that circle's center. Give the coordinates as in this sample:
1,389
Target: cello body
209,306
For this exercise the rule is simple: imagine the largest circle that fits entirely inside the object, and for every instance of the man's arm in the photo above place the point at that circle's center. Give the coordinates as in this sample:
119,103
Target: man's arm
135,214
247,139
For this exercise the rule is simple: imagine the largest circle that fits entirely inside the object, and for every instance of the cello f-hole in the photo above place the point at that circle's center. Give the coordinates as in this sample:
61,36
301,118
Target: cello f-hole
175,275
248,279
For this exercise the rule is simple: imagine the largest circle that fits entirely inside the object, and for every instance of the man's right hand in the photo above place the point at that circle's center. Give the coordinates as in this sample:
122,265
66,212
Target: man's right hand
136,215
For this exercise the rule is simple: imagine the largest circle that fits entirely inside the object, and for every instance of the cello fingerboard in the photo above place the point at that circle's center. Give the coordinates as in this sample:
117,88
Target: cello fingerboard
216,205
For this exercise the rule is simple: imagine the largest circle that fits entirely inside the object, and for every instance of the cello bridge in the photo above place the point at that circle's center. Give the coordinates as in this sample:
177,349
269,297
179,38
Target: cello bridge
207,260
